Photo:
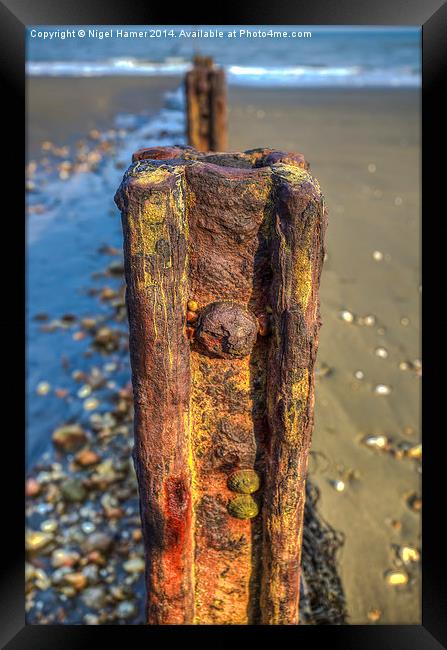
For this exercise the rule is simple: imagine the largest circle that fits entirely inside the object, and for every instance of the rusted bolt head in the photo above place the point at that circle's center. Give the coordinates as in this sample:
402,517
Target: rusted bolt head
243,507
245,481
227,330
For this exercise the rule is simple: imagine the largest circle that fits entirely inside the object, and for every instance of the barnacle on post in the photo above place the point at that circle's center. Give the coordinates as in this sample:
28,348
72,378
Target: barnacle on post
243,507
245,481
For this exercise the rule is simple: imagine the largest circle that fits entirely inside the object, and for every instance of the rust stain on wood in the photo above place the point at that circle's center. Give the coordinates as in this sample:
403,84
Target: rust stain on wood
223,255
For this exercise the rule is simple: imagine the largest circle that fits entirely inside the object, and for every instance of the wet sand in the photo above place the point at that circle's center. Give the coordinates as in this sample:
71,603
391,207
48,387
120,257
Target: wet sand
364,148
64,110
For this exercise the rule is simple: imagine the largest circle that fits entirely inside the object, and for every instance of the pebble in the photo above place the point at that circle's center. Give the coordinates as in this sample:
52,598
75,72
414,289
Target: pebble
382,389
84,391
43,388
396,578
32,487
107,293
68,591
87,457
120,592
58,576
43,508
107,338
109,250
64,558
41,579
377,442
396,525
98,541
73,491
49,526
110,505
116,267
323,370
404,321
415,452
87,527
377,256
372,168
134,565
37,540
105,473
369,320
29,571
374,615
347,316
359,374
77,580
91,404
382,353
339,485
126,609
69,437
91,619
94,597
91,572
414,502
88,324
96,558
409,554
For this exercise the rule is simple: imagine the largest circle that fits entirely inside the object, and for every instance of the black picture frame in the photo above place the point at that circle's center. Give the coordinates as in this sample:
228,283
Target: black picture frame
15,15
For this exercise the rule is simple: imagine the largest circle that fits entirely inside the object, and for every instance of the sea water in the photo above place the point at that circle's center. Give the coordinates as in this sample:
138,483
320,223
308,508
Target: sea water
287,56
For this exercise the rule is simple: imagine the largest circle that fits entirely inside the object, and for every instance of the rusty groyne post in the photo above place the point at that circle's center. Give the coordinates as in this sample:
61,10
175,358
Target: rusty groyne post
206,106
223,255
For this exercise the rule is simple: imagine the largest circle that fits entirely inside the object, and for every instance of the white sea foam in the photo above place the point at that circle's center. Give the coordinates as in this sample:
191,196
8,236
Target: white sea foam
242,75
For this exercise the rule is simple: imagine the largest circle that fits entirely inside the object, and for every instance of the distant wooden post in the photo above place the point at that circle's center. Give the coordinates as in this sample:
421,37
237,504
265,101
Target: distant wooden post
206,106
223,255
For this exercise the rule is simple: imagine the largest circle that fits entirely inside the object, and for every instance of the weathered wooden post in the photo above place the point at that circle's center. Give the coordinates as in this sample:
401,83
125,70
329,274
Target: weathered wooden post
223,255
206,106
